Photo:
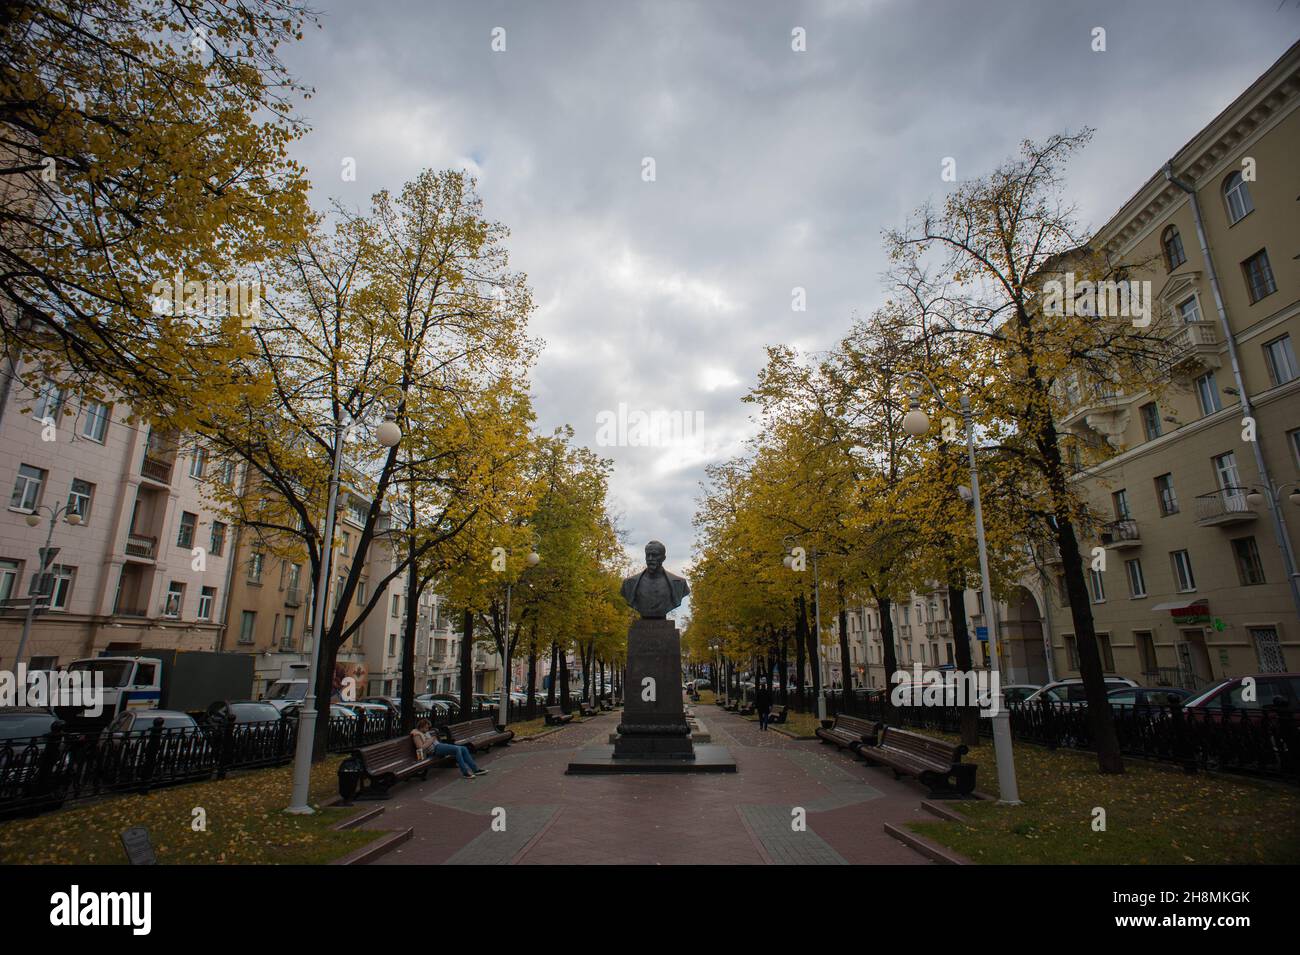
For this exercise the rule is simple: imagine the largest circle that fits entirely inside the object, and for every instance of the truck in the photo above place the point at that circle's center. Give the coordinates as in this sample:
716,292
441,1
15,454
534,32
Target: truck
291,688
185,680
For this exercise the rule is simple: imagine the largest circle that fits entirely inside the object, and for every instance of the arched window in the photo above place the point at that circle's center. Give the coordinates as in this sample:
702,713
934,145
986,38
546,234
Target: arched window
1172,243
1236,195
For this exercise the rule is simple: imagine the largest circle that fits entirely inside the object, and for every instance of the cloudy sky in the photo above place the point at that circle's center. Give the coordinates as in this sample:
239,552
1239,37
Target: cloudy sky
773,169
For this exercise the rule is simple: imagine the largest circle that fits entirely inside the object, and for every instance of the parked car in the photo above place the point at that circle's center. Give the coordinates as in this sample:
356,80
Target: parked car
372,711
337,711
140,721
1071,691
24,722
1273,693
1147,699
1014,693
244,711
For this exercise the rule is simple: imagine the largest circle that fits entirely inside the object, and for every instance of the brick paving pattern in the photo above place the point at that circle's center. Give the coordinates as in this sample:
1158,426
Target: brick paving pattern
742,818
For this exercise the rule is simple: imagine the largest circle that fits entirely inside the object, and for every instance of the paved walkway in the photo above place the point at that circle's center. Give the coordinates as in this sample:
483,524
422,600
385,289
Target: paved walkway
526,810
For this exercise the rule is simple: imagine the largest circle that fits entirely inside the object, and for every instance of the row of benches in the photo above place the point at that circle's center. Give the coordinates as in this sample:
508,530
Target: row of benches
370,771
934,762
778,714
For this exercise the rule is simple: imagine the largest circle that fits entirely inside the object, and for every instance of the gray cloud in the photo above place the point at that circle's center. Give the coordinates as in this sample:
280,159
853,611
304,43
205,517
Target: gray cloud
775,169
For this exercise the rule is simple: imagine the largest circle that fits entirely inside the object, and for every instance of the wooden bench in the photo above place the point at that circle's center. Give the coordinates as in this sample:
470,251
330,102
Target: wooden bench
779,714
555,716
934,762
849,731
586,709
606,703
747,709
370,771
478,735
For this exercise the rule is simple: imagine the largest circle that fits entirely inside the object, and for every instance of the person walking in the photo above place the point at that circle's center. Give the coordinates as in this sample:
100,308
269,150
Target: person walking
426,744
763,704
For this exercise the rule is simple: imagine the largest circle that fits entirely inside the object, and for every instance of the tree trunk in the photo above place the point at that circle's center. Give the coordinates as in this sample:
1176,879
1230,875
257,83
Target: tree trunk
784,665
846,670
532,670
1100,716
407,700
329,653
566,704
555,673
968,716
891,658
814,652
467,665
800,645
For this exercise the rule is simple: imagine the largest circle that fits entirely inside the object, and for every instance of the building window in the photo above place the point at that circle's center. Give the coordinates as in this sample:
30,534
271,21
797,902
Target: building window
10,571
1250,570
1165,493
198,463
1184,580
1259,276
1268,649
1173,246
1189,310
338,593
392,644
95,423
1150,420
189,522
1207,392
397,605
1146,646
247,626
207,597
175,599
1236,195
286,635
295,576
1295,445
256,561
1137,585
1071,651
61,589
227,472
361,592
27,488
1097,586
218,541
1107,654
79,497
49,402
1119,500
1281,360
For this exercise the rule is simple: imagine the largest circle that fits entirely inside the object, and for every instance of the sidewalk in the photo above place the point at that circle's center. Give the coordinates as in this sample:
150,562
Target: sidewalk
740,818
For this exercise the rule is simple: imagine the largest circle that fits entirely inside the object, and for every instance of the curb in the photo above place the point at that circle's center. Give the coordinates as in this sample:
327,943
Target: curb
931,850
353,821
943,812
369,853
787,734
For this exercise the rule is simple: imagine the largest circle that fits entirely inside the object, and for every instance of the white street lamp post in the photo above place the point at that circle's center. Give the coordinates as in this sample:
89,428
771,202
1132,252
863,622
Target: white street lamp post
388,435
73,518
504,706
916,423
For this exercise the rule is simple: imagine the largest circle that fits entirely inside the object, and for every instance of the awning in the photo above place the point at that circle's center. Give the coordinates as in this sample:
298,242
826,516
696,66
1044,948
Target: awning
1179,605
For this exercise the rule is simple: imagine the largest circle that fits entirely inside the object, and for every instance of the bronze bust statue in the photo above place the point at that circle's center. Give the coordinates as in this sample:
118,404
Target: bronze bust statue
655,592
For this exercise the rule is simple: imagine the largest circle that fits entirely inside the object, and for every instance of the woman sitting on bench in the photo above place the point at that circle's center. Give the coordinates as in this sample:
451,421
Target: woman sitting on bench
426,744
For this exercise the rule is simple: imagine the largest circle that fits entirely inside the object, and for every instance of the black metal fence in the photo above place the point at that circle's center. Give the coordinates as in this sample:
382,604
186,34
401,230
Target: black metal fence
1261,742
42,773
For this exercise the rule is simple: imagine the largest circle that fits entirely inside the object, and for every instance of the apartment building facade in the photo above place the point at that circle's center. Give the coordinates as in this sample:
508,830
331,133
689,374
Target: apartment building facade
1195,581
148,562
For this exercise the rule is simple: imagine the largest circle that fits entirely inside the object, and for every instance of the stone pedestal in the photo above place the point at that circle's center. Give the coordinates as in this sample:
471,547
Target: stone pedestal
654,736
654,728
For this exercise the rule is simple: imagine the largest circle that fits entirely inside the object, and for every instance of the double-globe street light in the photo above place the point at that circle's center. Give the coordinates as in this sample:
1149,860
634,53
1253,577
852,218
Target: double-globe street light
917,423
73,517
388,434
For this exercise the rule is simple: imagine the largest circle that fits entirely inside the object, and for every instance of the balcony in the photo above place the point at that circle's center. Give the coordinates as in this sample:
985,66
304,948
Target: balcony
1122,534
139,546
156,469
1194,344
1224,508
293,597
937,628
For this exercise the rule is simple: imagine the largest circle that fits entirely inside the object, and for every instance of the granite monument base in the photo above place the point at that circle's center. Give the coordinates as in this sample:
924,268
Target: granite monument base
654,735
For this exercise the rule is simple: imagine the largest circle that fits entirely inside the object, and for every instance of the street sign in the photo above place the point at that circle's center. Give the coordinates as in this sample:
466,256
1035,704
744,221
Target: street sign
982,633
